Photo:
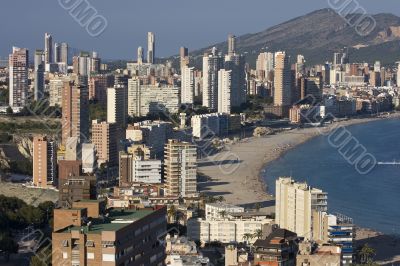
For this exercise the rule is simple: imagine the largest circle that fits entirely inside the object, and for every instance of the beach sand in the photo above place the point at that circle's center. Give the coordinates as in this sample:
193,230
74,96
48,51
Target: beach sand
235,172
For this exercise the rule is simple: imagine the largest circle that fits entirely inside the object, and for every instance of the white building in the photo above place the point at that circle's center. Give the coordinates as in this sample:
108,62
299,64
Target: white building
295,203
211,65
215,211
146,171
224,91
150,47
117,105
265,64
231,229
88,158
207,125
56,85
145,99
187,85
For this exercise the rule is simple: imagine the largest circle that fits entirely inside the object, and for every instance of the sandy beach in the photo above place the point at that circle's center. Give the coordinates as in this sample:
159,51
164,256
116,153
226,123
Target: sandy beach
235,172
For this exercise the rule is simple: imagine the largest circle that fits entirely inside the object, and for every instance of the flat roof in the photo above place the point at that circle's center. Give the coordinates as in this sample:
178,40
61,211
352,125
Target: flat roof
116,220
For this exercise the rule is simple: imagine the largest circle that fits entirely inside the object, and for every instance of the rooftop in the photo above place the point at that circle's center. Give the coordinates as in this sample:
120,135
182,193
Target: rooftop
116,220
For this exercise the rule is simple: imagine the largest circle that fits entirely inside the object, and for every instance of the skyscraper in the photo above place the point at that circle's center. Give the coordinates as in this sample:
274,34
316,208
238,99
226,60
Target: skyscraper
150,47
295,203
231,44
140,55
39,75
265,65
282,80
184,56
44,162
117,105
75,113
224,91
180,168
48,48
105,139
238,91
211,65
18,76
187,85
61,53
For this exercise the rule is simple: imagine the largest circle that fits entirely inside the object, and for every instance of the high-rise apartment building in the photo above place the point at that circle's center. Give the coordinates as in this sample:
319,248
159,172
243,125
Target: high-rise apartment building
98,85
187,85
18,77
231,44
265,65
211,65
89,160
39,75
44,162
184,56
48,48
180,168
314,88
236,64
295,204
61,53
117,105
75,113
153,99
140,55
224,91
150,47
282,80
105,139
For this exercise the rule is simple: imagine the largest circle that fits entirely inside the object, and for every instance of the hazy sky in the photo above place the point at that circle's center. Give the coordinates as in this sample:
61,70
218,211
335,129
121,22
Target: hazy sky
190,23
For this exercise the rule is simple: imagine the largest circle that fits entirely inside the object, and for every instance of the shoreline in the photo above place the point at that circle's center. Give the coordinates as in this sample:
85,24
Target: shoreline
236,172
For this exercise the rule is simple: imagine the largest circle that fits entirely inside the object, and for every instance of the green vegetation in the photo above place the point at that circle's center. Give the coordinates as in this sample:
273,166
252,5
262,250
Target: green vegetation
30,127
8,246
41,108
365,256
97,111
22,167
4,96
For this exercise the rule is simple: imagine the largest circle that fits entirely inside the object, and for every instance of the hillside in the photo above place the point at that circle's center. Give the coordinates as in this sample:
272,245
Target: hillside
317,35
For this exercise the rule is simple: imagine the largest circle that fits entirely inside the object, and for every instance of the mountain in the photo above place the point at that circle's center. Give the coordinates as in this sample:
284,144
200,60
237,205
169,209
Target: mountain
317,36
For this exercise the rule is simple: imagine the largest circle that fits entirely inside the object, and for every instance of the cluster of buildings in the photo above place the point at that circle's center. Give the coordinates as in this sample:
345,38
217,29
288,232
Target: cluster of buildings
120,182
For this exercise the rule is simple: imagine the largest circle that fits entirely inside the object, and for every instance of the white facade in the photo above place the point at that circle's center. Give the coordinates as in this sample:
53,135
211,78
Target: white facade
224,91
88,158
215,211
228,230
207,125
265,63
145,99
294,205
150,47
187,85
117,105
146,171
211,65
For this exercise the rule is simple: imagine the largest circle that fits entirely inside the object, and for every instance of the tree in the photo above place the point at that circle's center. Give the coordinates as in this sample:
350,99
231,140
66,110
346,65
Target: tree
247,237
171,212
222,213
9,110
8,247
258,234
366,254
221,198
257,206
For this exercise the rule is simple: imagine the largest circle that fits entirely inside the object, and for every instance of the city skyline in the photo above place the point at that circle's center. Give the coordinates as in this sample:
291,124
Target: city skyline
170,35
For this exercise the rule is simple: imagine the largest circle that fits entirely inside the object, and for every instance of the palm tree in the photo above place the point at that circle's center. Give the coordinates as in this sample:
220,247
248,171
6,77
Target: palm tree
366,254
223,213
247,237
257,206
221,198
171,213
258,234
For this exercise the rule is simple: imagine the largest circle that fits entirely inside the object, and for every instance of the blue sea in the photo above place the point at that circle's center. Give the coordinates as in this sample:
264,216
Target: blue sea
372,199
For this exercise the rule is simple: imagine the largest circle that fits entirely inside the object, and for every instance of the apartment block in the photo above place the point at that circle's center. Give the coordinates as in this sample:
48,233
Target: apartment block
44,162
180,168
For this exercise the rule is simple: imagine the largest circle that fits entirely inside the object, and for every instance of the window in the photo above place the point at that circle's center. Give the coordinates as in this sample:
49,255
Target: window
65,255
90,256
108,257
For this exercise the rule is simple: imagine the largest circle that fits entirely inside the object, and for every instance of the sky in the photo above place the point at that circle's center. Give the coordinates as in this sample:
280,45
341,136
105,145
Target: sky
190,23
